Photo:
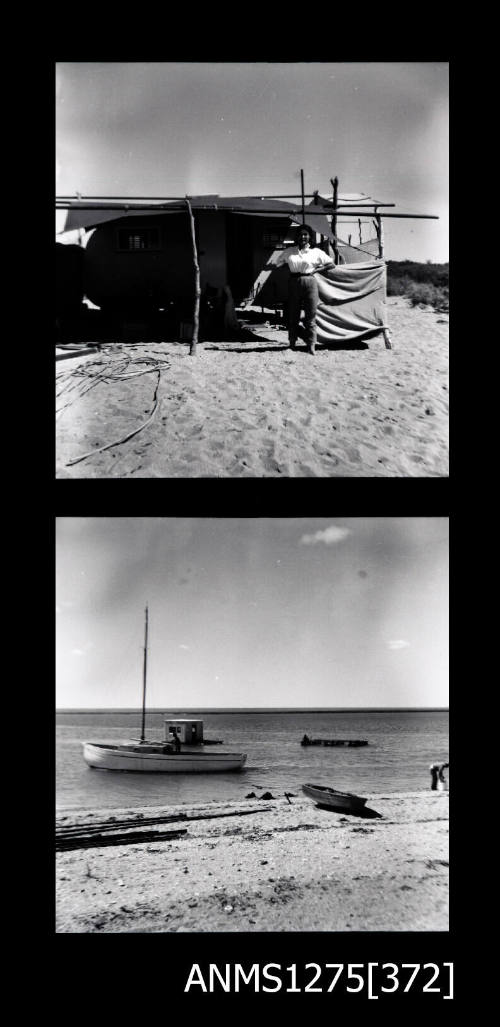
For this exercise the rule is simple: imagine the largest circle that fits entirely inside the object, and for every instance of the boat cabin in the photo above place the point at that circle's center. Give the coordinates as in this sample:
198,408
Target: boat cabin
189,732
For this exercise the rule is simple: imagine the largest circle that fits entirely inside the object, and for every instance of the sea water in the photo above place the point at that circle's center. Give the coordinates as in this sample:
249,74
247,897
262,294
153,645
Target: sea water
401,746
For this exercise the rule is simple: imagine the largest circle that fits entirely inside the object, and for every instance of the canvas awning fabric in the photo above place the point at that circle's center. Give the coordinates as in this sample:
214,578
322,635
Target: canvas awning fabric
88,219
351,301
353,254
318,222
86,215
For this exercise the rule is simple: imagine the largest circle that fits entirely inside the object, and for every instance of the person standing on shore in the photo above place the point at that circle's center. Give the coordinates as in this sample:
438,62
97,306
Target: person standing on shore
442,784
438,781
303,260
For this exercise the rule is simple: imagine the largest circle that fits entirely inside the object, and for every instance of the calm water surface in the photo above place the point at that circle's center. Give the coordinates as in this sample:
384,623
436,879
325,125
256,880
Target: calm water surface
401,747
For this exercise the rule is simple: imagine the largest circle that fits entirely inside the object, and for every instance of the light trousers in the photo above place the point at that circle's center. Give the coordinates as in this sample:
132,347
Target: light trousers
302,295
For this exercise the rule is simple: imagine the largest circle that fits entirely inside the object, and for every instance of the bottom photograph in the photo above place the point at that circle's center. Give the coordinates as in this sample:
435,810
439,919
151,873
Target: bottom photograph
252,724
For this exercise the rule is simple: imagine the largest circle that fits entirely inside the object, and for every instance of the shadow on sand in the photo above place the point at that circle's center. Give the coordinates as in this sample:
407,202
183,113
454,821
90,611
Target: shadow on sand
238,344
364,813
229,347
92,327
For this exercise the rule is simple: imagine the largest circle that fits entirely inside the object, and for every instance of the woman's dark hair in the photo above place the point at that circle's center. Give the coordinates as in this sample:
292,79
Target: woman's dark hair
308,229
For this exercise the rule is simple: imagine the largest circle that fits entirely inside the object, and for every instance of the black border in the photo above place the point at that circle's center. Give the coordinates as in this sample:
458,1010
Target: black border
142,976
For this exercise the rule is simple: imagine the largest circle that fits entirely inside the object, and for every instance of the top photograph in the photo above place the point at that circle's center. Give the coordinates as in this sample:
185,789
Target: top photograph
252,269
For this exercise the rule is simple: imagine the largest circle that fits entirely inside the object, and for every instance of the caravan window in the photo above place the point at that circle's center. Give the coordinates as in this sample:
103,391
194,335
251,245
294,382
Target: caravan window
133,239
273,240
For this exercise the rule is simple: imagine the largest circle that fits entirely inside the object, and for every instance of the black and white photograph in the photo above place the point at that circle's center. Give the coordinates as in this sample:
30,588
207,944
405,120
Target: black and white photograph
252,269
253,733
252,725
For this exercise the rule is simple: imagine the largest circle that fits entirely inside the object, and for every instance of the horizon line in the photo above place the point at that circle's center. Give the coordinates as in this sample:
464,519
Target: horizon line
242,709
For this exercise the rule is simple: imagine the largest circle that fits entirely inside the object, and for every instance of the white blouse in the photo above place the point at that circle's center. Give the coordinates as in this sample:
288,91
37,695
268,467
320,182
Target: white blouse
303,261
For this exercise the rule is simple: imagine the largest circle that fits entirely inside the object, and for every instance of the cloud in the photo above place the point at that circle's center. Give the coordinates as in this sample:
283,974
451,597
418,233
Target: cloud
398,643
183,647
329,536
84,651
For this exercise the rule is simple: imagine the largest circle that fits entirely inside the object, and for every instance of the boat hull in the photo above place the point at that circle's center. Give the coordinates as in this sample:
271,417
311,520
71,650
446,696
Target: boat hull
333,799
352,742
104,757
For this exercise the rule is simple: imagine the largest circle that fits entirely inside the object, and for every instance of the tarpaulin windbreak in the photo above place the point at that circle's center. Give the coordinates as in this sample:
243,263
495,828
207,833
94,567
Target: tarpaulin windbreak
351,301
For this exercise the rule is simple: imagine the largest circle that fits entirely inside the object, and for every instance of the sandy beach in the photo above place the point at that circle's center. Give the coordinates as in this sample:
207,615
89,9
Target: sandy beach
258,865
257,409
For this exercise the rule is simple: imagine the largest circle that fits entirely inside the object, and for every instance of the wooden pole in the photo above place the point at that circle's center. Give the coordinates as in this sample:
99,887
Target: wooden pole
380,233
197,289
376,225
240,209
144,675
178,199
359,228
380,224
303,196
335,184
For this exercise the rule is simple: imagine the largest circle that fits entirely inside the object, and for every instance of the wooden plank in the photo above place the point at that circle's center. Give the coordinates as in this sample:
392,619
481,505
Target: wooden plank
120,825
128,838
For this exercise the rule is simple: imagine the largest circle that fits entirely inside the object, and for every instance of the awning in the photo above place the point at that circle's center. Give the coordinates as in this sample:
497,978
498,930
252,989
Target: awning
88,219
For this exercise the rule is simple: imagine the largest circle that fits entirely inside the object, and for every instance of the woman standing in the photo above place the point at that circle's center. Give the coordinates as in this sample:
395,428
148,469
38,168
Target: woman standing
303,260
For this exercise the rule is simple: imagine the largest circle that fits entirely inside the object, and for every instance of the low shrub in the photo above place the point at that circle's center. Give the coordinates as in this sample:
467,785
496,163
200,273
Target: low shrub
429,295
423,284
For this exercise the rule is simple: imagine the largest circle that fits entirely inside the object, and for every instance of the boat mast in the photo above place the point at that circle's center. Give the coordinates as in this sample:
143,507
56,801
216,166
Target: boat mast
144,674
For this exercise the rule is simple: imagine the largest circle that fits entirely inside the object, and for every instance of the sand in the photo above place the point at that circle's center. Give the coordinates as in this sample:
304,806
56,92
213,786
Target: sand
270,866
257,409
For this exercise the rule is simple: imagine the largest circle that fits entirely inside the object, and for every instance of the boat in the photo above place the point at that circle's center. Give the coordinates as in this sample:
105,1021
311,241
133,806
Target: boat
181,752
332,798
332,742
159,758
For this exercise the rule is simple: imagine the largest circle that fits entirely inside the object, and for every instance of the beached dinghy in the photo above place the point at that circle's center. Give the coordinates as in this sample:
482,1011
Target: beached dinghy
168,757
335,800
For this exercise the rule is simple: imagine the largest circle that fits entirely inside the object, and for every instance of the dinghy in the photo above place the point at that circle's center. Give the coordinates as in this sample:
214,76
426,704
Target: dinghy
333,799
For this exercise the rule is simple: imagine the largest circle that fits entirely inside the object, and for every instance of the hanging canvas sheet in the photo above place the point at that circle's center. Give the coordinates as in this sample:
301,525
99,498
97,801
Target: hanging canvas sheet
351,301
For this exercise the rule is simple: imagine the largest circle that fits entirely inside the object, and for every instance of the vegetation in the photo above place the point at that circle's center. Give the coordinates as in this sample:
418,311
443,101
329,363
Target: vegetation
426,284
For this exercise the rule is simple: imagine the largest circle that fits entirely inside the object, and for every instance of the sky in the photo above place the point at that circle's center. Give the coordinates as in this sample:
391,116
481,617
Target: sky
252,612
177,128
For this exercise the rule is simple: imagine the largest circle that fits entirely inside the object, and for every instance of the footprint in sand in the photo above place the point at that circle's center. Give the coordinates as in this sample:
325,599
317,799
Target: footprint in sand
352,454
